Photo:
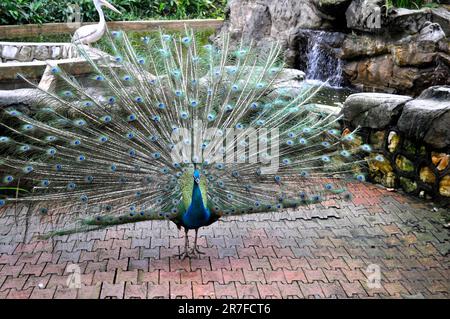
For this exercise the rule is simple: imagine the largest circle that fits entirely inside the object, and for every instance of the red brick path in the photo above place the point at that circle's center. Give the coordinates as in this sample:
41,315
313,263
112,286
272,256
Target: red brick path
315,252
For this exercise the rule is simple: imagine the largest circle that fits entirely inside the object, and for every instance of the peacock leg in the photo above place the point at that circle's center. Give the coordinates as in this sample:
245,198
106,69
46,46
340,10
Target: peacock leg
196,250
185,254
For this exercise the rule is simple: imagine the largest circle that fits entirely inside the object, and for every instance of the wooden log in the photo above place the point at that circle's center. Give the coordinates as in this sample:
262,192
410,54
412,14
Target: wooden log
32,30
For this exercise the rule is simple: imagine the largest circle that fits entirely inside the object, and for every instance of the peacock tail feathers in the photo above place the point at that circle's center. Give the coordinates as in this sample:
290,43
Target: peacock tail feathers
125,152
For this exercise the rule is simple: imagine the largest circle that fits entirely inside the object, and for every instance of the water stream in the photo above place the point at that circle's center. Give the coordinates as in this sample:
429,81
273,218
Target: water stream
321,64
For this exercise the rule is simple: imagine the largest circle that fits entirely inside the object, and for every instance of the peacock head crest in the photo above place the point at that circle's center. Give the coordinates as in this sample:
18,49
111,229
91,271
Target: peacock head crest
196,176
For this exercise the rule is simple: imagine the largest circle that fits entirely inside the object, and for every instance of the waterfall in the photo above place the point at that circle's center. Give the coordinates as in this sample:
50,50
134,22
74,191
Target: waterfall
321,63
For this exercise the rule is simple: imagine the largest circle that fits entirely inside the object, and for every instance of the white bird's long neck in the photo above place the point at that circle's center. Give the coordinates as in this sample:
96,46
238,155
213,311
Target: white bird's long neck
100,14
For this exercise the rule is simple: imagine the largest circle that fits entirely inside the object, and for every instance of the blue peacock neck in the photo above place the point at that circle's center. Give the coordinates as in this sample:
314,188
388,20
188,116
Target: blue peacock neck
197,214
198,207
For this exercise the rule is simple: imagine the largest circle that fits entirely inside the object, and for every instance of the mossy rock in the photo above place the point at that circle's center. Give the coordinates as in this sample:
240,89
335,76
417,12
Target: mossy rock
408,185
377,138
404,164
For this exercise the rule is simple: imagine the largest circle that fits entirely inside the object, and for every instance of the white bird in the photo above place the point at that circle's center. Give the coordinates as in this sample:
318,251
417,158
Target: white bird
92,33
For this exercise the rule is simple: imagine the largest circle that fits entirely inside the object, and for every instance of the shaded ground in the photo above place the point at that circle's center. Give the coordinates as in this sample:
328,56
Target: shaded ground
310,252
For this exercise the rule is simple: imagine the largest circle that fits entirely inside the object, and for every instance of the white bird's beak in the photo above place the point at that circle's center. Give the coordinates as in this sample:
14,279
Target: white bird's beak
110,6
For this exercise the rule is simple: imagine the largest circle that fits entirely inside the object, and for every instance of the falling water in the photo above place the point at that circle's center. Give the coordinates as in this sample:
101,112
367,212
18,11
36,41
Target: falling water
321,63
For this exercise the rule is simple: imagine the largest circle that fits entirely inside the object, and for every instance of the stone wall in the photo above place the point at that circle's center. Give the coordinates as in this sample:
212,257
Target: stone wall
400,51
30,52
409,53
410,139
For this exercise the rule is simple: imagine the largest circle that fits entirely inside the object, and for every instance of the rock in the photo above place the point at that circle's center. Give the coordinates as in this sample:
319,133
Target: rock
288,16
442,17
414,54
331,7
439,93
363,46
56,52
288,75
404,164
427,118
444,187
408,185
371,73
25,54
406,21
381,73
9,52
374,110
431,32
323,109
393,141
41,53
267,20
364,15
426,175
251,18
289,83
440,160
381,171
69,51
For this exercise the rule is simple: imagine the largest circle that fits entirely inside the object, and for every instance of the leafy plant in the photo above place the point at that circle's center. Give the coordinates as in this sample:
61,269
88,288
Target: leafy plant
411,4
44,11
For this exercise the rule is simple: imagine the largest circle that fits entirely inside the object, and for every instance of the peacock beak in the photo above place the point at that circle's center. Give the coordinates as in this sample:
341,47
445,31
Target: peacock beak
197,180
110,6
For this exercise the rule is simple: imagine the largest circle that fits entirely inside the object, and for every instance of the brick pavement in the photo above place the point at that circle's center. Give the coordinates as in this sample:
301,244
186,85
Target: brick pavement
315,252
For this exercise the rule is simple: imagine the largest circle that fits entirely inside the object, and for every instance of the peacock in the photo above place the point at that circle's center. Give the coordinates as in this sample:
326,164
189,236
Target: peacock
176,130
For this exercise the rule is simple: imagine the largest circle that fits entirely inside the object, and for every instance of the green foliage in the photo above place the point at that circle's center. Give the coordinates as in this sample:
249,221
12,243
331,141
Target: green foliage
411,4
45,11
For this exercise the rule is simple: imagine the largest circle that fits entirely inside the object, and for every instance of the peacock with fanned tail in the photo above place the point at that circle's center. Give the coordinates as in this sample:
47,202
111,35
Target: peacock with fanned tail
174,130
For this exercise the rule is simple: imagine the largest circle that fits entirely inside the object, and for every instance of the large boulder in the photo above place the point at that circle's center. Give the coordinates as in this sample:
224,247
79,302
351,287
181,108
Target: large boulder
427,118
374,110
406,21
248,18
364,15
355,46
263,21
288,16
